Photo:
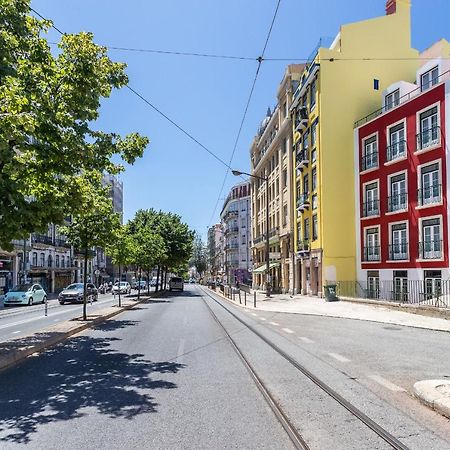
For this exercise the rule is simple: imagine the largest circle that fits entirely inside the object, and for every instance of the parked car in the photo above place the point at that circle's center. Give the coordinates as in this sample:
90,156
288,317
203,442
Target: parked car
25,294
192,280
74,293
140,285
176,283
123,287
153,282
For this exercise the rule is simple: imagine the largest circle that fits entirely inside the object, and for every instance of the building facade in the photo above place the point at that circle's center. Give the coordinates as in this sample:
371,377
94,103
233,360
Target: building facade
403,185
340,83
214,251
236,225
271,158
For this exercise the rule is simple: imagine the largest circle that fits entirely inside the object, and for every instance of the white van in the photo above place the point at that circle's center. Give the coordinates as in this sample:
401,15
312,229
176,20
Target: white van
176,283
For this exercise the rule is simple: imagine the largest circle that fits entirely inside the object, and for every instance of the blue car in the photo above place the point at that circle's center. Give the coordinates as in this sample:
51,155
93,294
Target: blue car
25,294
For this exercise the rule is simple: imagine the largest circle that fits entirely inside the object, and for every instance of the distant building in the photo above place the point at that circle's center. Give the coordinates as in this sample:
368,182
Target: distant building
236,225
116,192
214,250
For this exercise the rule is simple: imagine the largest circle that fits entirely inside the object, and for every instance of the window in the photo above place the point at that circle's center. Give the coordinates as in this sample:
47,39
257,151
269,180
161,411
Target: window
430,191
314,155
370,155
62,262
399,242
299,231
284,146
391,100
315,230
429,79
42,260
372,245
433,283
284,110
397,145
314,201
305,141
400,285
285,214
67,261
373,284
50,261
313,94
34,259
313,134
371,204
431,245
285,177
306,230
429,130
314,179
57,261
397,201
306,184
376,84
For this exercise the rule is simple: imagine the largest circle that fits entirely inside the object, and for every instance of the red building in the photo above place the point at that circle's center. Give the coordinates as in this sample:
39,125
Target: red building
402,188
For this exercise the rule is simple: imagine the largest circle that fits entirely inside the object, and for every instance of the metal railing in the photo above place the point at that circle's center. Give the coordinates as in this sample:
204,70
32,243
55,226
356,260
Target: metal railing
303,246
302,158
396,150
431,292
231,230
303,200
61,243
371,253
398,251
430,249
429,195
397,202
428,138
258,239
369,161
42,239
370,208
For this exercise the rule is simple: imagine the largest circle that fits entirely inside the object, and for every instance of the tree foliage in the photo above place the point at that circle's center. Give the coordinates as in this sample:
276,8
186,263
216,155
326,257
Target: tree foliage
198,258
48,107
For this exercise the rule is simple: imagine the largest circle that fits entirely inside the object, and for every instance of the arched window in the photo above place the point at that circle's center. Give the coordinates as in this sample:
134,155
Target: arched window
57,261
68,261
42,260
34,259
62,262
50,261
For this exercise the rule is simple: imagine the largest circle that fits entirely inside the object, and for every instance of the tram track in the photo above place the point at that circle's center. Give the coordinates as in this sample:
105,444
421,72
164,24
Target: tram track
296,438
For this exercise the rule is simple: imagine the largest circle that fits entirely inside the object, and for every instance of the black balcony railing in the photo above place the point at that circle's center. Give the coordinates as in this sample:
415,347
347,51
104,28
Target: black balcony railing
371,253
303,201
258,239
369,161
42,239
428,138
303,246
81,252
273,232
371,208
233,246
430,250
396,150
231,230
301,117
302,158
398,202
429,195
59,242
398,251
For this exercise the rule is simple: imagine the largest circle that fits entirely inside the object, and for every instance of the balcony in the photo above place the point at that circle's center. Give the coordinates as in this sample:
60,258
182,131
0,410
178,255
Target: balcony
398,202
303,202
301,119
81,252
258,239
41,239
232,246
398,251
429,195
273,232
303,246
371,253
428,138
61,243
371,208
302,159
430,250
369,161
396,150
231,230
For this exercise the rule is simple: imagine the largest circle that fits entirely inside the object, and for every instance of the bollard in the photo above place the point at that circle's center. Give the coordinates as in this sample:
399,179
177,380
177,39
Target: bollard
245,298
254,299
46,306
240,302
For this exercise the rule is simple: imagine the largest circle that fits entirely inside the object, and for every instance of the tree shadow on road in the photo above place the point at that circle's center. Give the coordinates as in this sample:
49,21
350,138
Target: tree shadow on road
83,372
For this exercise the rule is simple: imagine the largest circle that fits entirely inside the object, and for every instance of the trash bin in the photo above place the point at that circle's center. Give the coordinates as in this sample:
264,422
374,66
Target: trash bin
330,293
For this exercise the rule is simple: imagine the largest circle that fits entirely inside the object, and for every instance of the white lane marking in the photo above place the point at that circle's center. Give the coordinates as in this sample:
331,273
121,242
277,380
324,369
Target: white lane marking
307,340
386,383
339,357
287,330
253,314
262,318
274,323
180,350
15,332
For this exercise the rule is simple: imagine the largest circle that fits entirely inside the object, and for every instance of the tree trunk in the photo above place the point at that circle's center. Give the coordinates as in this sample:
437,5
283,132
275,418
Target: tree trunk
139,283
157,280
165,277
85,283
120,276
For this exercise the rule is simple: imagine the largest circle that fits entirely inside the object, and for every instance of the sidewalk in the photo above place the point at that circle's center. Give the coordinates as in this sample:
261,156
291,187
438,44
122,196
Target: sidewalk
301,304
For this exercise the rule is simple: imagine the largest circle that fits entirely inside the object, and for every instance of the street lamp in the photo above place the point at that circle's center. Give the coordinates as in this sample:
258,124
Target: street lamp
266,180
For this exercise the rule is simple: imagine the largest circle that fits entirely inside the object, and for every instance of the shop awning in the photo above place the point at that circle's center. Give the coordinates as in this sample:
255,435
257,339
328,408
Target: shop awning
262,269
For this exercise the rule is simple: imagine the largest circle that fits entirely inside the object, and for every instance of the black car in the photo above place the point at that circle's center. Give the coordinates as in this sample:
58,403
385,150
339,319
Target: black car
74,293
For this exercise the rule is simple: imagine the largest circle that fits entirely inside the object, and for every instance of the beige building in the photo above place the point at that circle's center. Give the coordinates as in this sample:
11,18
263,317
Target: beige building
271,157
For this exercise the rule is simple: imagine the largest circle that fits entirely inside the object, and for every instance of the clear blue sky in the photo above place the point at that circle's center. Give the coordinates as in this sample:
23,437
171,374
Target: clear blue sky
207,96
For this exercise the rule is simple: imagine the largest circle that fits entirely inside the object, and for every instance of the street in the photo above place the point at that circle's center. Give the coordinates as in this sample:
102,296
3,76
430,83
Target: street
164,375
19,321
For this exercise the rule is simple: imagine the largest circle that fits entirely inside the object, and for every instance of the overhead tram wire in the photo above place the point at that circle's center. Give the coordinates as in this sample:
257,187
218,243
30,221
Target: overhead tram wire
260,59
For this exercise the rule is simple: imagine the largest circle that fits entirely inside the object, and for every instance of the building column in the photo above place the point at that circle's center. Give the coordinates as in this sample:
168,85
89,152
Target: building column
304,290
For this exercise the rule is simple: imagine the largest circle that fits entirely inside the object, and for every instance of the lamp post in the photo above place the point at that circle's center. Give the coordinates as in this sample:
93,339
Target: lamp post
266,180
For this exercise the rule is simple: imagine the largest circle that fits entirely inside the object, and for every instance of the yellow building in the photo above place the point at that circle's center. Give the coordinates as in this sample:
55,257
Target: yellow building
340,84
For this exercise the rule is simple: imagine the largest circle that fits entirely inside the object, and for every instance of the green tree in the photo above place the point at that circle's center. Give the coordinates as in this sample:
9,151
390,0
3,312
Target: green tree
120,249
95,226
48,105
198,258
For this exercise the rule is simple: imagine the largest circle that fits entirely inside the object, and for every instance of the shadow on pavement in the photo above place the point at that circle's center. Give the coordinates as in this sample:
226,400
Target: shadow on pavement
83,372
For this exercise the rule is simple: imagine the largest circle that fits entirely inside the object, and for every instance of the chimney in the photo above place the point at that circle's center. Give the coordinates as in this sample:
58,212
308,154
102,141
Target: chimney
391,7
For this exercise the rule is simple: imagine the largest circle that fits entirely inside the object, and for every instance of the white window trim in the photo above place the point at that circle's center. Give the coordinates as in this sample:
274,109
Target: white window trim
419,183
405,172
370,227
400,222
427,67
388,94
441,225
363,148
418,113
363,191
388,141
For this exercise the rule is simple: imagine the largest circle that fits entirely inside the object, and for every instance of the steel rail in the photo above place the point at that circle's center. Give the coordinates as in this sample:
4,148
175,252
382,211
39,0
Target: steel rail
378,429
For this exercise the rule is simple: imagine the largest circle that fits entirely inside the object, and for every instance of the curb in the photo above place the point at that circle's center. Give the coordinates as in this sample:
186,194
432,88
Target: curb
17,350
435,394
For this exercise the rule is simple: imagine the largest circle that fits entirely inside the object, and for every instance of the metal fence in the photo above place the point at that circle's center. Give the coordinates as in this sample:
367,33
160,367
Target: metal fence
429,292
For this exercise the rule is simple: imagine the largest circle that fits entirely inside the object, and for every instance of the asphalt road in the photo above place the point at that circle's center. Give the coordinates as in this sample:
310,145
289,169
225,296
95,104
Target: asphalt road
164,376
18,321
